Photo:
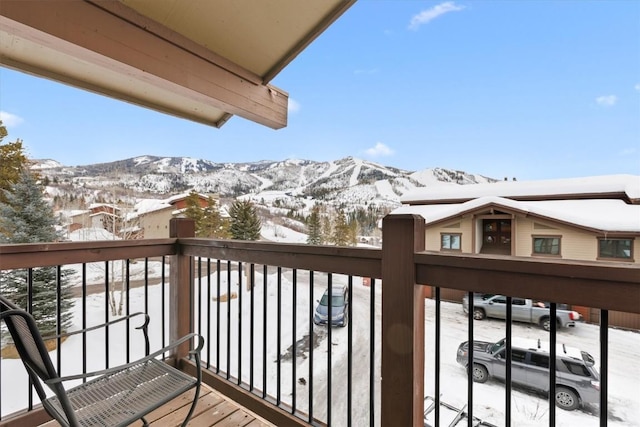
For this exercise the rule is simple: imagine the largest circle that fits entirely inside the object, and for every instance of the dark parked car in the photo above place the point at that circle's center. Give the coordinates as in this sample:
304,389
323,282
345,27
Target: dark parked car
577,380
339,307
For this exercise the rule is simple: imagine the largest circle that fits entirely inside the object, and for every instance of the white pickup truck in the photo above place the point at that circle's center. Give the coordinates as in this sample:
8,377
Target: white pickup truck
522,310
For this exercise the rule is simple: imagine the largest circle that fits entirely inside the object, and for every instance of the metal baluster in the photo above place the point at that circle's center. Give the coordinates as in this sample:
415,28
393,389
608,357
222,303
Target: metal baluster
208,364
507,403
252,279
240,291
84,320
552,365
228,319
279,337
470,364
162,304
349,350
312,340
330,316
106,314
218,278
604,367
128,293
438,326
293,359
372,353
264,332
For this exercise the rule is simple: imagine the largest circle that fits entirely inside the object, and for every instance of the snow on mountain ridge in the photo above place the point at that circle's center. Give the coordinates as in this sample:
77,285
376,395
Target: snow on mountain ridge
344,181
46,164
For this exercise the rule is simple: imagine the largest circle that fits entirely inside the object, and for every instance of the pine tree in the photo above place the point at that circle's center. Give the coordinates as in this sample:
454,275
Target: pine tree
12,162
352,235
194,210
25,217
314,227
327,229
340,235
212,224
245,224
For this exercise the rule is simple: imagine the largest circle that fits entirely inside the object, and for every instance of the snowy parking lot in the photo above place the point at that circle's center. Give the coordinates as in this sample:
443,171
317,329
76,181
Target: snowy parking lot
529,408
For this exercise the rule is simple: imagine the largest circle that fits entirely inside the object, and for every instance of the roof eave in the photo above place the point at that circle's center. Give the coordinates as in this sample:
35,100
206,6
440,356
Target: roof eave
108,48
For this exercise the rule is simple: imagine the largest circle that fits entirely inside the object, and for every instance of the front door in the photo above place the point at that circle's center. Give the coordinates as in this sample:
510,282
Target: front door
496,236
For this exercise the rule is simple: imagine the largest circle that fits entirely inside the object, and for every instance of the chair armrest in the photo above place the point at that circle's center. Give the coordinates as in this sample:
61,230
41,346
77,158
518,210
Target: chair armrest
196,352
144,326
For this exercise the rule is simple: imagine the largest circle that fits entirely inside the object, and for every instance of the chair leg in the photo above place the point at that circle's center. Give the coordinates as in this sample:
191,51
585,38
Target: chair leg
145,423
193,406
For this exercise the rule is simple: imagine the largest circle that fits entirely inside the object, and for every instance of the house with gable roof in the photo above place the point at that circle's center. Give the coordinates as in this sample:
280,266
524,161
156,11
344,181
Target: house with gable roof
151,217
593,218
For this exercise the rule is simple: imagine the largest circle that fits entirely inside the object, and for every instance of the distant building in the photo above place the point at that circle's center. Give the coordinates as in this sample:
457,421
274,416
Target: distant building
594,218
149,218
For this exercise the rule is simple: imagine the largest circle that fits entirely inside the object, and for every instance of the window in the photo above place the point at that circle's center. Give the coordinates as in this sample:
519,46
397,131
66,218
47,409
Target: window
576,368
546,245
518,355
450,242
541,360
615,248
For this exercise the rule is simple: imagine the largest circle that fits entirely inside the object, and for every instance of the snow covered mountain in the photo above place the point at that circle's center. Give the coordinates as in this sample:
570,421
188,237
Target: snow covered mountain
342,182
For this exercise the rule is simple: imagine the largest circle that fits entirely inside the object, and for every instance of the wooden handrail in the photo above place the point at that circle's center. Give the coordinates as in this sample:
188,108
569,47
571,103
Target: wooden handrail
603,285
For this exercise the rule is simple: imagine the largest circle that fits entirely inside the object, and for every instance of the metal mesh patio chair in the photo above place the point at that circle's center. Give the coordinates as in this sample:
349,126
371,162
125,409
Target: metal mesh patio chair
115,397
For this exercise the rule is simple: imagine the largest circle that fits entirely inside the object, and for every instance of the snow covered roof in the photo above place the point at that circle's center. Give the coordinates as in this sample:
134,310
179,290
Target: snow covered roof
181,196
603,215
93,206
594,187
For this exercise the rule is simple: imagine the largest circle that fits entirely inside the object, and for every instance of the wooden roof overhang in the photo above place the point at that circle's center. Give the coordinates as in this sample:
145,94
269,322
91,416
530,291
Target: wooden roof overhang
202,60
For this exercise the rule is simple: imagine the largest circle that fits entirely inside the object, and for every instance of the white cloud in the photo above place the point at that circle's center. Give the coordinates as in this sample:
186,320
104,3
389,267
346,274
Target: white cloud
607,100
627,151
294,106
428,15
379,150
9,119
637,87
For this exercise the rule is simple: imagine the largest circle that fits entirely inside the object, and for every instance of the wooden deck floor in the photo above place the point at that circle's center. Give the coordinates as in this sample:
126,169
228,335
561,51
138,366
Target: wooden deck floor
212,409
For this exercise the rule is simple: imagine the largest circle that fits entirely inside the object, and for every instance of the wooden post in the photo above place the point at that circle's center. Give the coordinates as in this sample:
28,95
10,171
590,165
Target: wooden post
180,287
402,388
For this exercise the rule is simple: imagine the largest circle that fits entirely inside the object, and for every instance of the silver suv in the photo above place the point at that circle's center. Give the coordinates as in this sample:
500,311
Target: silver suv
577,380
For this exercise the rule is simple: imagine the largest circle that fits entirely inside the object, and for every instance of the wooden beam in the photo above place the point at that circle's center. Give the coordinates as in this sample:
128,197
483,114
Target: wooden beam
605,285
181,289
48,254
402,385
115,44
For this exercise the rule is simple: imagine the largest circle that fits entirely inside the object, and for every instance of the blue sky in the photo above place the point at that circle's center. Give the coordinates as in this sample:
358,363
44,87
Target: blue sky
527,89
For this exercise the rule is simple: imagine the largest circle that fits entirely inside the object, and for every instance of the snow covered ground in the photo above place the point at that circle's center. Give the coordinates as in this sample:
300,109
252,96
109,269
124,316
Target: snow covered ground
527,408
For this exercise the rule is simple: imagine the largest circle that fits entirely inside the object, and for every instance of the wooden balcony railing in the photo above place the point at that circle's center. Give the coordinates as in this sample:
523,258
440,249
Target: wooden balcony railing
406,271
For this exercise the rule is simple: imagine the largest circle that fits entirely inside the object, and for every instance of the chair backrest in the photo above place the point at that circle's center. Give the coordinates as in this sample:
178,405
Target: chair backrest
30,345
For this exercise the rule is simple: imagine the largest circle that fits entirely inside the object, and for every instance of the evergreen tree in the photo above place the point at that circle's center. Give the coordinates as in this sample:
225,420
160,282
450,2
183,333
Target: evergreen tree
12,162
245,224
340,235
193,209
314,227
212,223
25,217
327,229
352,235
